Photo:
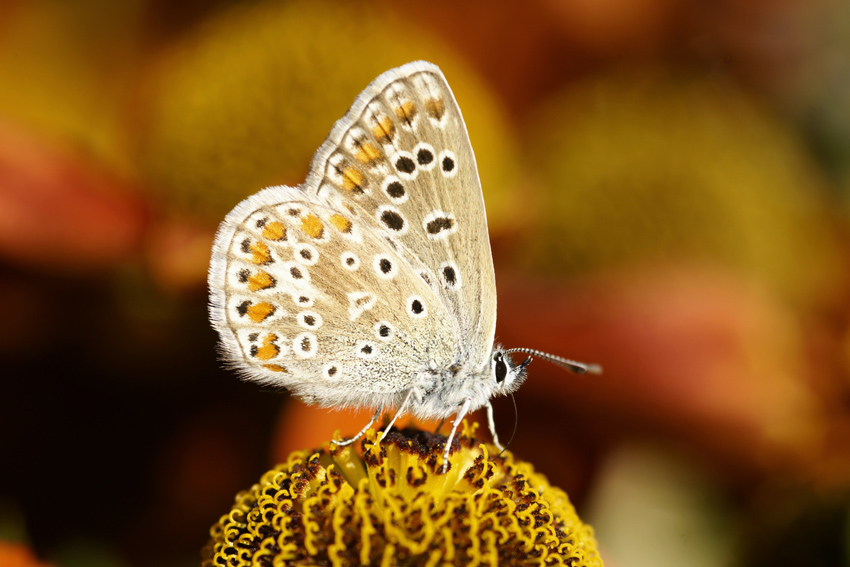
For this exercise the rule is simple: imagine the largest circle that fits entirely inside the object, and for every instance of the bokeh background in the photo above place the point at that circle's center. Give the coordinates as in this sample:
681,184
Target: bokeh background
668,192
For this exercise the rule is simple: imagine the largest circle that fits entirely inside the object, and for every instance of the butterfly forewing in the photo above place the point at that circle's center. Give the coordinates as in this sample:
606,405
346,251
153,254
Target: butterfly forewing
402,157
314,298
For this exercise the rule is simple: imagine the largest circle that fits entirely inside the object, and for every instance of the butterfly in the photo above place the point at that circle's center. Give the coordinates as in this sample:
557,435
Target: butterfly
371,285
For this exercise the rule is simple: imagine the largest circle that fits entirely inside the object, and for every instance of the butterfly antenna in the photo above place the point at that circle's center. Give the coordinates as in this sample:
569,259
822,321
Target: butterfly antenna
571,365
516,421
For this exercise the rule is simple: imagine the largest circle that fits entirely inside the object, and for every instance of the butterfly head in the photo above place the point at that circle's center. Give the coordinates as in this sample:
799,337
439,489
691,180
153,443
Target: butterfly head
506,376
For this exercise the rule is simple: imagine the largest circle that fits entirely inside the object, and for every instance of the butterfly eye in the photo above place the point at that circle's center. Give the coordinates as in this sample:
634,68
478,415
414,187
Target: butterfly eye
501,369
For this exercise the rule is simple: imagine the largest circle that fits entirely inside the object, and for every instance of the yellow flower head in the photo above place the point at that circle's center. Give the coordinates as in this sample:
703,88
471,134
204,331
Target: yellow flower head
389,504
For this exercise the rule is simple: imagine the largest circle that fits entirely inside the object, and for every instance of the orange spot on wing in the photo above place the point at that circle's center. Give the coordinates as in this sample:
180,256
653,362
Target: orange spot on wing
406,111
274,231
384,130
312,226
269,350
352,179
260,280
367,153
435,107
341,223
260,253
275,367
259,312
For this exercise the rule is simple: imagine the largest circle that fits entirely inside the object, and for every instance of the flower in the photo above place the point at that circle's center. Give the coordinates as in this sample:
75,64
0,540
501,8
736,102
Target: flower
244,100
389,504
18,555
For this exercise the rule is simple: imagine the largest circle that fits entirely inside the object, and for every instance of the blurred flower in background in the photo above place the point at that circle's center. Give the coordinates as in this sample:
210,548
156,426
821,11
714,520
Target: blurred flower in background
667,190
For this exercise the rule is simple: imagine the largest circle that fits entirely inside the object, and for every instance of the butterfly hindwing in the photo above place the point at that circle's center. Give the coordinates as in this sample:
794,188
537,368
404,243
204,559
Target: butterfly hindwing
318,301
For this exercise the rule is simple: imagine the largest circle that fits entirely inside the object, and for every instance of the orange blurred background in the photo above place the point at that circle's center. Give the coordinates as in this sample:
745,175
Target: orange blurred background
668,194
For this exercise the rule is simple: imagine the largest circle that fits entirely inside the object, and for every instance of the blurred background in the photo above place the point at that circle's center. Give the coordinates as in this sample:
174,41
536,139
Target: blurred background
668,192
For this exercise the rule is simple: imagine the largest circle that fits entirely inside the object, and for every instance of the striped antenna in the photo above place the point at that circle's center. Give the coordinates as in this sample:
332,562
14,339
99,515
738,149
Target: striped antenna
571,365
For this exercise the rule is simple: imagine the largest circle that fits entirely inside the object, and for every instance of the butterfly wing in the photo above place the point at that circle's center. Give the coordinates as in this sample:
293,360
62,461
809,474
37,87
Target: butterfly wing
318,301
376,275
402,156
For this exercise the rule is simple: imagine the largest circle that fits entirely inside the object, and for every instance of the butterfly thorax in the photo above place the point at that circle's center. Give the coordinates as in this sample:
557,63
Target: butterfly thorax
445,389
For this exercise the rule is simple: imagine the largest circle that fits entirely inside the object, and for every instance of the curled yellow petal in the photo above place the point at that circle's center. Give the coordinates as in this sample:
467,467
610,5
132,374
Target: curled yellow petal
389,504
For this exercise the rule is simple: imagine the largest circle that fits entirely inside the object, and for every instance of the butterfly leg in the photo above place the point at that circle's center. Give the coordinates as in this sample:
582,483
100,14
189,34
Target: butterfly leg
413,393
362,431
464,409
440,426
492,425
